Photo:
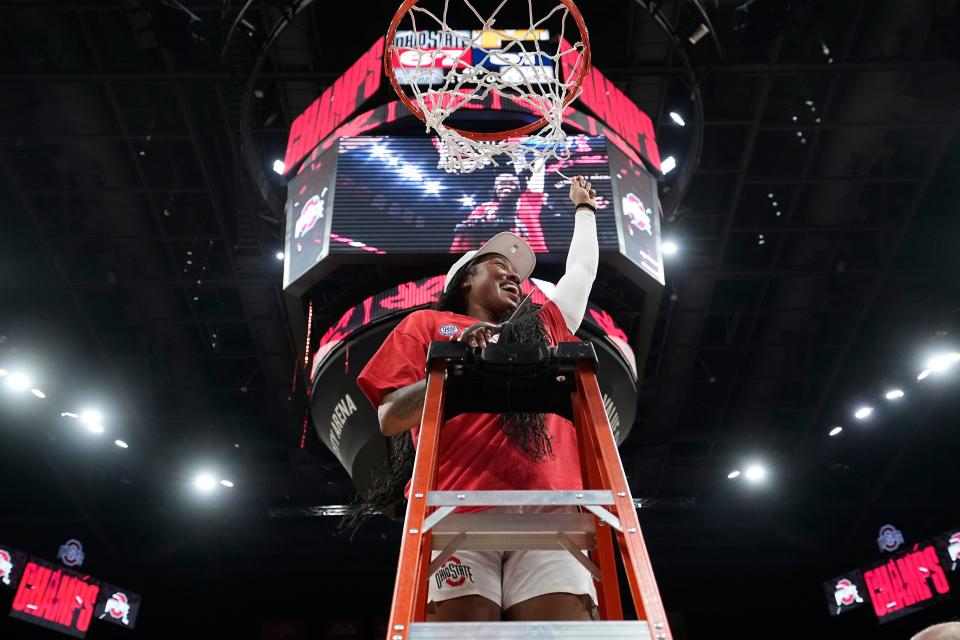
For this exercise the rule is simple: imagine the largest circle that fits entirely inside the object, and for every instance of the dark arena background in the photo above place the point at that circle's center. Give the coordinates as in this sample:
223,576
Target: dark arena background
213,213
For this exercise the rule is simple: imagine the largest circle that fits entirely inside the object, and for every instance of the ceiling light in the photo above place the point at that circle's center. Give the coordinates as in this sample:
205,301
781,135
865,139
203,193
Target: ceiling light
121,444
677,118
734,474
755,473
18,382
38,393
669,248
941,362
835,431
698,34
863,413
205,483
226,483
279,167
923,375
93,419
894,394
279,255
669,164
4,373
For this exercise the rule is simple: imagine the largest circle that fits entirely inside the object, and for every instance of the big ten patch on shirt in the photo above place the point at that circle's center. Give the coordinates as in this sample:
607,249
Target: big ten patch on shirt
474,452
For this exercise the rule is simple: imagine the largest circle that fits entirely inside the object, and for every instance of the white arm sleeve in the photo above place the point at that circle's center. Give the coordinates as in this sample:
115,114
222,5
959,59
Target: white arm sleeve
571,293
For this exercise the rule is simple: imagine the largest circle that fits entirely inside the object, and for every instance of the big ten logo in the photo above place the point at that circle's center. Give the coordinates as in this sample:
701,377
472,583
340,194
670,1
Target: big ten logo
345,408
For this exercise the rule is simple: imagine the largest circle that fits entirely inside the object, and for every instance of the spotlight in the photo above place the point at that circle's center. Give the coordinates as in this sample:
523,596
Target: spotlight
669,248
18,382
38,393
941,362
755,473
205,483
863,413
677,118
279,255
894,394
226,483
835,431
279,167
669,164
121,444
734,474
93,419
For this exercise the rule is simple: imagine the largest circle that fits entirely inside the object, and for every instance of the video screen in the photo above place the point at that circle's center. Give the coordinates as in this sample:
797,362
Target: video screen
638,213
393,198
309,203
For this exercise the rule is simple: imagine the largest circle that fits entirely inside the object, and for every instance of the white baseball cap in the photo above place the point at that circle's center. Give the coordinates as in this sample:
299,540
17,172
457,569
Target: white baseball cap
507,244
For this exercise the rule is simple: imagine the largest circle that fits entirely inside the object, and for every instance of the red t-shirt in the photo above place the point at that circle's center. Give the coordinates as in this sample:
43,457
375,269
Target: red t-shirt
474,452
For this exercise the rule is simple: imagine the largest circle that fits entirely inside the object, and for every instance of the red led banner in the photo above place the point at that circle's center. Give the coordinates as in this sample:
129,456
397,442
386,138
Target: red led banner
410,295
901,584
55,598
335,105
622,121
617,110
906,583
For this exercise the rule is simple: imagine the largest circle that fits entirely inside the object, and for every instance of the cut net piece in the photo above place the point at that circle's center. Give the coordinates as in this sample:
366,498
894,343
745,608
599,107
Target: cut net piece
523,73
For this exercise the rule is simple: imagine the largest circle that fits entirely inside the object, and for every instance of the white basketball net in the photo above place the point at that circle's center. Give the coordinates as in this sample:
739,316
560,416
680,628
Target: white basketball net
522,76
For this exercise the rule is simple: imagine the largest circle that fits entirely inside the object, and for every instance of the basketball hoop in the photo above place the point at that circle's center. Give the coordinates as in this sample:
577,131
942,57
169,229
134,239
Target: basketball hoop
504,70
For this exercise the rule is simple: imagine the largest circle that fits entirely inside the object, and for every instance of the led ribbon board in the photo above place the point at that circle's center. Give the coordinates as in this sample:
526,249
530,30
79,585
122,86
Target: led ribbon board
901,584
627,126
52,596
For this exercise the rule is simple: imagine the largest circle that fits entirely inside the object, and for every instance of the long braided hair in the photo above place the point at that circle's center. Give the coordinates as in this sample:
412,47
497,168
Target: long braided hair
526,431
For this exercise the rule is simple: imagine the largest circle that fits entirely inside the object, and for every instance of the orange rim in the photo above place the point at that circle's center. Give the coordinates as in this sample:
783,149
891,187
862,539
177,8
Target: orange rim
495,135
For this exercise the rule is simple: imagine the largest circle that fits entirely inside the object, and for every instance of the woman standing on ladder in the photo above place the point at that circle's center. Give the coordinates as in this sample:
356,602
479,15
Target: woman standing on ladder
491,451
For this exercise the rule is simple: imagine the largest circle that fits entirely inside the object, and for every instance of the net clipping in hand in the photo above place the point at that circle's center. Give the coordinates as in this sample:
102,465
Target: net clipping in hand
524,68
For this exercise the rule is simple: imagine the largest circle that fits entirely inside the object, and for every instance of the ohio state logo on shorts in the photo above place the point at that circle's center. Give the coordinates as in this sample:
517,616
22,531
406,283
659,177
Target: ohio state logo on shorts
449,330
453,573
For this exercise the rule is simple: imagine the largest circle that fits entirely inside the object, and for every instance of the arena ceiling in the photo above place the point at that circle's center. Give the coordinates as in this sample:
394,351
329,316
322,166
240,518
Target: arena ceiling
138,272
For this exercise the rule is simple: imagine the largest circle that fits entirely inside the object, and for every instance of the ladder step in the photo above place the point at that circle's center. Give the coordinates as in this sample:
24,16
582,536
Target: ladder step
609,629
514,531
518,498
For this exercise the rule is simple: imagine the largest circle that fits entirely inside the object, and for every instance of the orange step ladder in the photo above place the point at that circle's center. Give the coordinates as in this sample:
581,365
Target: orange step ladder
524,378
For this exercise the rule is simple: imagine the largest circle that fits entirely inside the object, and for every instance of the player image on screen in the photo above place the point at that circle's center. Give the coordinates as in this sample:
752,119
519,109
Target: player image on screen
510,210
391,197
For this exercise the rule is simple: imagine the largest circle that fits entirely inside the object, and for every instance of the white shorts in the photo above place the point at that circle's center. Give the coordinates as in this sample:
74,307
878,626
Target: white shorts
510,577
